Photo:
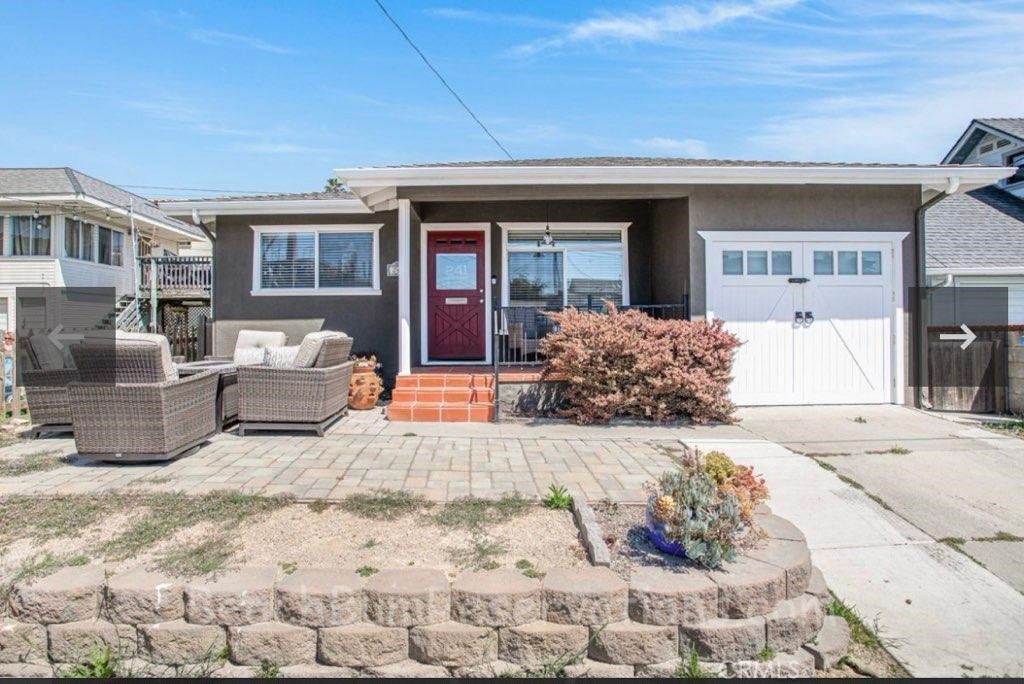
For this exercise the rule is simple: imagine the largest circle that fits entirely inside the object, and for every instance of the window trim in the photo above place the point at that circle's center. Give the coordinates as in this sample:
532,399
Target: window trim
507,228
315,291
7,236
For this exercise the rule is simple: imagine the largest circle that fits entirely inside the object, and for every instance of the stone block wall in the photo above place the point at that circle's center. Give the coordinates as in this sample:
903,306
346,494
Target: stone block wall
763,614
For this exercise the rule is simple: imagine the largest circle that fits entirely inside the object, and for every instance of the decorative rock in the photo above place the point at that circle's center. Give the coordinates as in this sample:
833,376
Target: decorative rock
73,642
277,642
406,597
68,595
24,671
141,597
453,644
793,623
585,596
537,643
724,640
748,587
658,596
670,669
320,597
137,668
632,643
230,671
317,672
783,665
792,557
180,643
592,669
590,531
408,669
362,645
238,597
817,588
21,642
491,670
779,528
496,598
831,644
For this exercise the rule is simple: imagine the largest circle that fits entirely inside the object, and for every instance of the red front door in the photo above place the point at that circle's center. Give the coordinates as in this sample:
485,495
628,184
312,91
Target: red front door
456,310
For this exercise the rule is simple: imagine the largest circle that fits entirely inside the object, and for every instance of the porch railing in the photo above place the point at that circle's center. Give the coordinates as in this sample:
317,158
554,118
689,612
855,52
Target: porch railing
190,276
518,331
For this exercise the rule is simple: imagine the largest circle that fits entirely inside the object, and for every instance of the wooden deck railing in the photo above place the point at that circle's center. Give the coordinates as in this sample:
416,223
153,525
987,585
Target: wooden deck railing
190,275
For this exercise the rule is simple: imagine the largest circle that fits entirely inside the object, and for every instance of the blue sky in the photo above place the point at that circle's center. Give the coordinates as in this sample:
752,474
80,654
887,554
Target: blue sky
271,97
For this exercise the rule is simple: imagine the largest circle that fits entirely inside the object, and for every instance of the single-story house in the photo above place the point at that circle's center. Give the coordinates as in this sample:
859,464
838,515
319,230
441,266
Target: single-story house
809,263
976,238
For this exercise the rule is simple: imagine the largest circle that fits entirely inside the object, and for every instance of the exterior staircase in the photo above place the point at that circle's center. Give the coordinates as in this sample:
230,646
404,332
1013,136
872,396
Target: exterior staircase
443,397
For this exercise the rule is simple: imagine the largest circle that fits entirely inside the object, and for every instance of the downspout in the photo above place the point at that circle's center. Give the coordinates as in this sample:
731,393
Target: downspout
920,323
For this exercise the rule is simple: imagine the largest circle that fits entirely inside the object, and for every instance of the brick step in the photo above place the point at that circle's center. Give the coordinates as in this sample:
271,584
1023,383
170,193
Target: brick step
439,412
443,380
444,395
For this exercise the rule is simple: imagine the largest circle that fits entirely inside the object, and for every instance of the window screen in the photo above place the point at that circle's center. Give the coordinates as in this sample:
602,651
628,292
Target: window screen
346,259
286,260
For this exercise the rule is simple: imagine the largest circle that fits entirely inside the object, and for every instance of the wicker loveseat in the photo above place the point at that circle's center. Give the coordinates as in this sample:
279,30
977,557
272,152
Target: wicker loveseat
130,406
309,394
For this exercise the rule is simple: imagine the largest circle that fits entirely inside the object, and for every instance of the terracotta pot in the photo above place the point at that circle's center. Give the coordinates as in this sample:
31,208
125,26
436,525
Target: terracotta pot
364,388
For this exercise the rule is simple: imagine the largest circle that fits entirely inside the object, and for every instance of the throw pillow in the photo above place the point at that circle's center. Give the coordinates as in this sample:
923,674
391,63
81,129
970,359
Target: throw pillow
280,357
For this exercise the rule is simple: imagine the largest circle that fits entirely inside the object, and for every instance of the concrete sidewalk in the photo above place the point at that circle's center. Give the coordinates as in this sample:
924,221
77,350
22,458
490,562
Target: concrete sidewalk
944,614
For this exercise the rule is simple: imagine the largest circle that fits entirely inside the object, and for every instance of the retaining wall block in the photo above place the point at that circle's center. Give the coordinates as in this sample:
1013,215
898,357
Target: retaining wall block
593,669
725,640
748,587
25,670
320,597
407,669
317,672
793,557
406,597
142,597
22,642
496,598
658,596
236,597
633,643
782,666
793,623
277,642
537,643
362,644
585,596
74,642
831,643
180,643
453,644
68,595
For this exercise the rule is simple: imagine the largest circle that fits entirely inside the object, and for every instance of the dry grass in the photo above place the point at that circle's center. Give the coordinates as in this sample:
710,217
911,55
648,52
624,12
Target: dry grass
32,463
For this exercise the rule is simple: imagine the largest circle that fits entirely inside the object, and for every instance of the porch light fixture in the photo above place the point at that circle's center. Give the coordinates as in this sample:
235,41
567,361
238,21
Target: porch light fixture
546,240
35,214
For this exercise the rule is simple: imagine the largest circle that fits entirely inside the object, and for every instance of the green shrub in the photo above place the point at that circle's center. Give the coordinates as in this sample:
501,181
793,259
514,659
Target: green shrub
557,498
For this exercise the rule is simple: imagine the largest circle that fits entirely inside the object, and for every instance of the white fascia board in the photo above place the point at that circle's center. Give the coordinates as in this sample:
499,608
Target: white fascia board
257,207
631,175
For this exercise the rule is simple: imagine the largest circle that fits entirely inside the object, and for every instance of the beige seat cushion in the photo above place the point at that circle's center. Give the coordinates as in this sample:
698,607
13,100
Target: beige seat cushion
165,370
309,350
250,345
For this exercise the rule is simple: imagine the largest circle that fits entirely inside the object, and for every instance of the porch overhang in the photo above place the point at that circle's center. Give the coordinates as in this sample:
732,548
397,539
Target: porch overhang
378,187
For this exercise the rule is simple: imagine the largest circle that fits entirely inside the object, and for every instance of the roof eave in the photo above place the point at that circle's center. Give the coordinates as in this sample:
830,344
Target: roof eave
967,133
258,207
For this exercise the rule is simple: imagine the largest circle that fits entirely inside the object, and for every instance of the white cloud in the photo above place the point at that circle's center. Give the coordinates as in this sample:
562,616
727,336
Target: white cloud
684,147
482,17
658,24
224,39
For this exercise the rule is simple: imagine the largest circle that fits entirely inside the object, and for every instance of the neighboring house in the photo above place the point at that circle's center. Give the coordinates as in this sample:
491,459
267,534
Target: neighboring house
807,263
60,227
976,239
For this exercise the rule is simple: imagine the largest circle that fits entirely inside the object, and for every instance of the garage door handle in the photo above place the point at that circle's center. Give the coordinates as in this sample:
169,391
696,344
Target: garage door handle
799,317
809,317
799,281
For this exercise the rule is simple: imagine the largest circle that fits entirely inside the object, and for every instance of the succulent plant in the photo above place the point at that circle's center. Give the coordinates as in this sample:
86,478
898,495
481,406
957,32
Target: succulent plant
664,507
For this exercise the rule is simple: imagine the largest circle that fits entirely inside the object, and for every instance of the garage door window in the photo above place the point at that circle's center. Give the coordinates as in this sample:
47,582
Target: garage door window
782,263
847,263
732,262
823,263
757,263
871,263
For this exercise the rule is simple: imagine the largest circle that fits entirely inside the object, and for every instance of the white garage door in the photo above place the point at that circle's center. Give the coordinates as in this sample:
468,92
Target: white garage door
816,316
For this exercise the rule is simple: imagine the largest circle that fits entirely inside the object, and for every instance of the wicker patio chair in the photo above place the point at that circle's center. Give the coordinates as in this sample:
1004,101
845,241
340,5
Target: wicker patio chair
131,407
46,388
309,395
249,346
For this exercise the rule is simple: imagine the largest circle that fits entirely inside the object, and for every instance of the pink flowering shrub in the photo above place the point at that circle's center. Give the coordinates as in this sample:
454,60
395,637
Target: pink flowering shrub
625,363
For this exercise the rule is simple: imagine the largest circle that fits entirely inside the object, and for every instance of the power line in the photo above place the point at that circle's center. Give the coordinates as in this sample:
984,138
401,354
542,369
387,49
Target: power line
164,187
442,79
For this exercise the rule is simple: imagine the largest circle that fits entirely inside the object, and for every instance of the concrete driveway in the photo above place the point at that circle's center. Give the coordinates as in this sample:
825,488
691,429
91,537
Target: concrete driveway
875,489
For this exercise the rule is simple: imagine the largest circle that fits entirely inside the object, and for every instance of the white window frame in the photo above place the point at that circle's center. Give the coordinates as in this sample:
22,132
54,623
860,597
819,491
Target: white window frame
316,290
7,243
507,228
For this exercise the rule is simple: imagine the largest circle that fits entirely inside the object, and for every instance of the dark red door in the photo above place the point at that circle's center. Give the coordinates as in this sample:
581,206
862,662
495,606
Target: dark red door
456,311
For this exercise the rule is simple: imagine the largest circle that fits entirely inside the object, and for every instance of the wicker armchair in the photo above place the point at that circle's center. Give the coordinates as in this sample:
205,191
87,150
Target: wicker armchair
131,407
301,397
48,404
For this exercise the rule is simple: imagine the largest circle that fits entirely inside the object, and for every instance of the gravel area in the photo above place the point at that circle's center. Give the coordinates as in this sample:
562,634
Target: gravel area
626,537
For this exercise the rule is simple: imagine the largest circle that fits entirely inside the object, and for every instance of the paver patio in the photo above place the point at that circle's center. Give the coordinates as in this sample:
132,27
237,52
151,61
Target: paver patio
365,452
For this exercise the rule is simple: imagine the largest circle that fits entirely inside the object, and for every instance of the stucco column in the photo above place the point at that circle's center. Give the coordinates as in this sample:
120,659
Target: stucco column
404,285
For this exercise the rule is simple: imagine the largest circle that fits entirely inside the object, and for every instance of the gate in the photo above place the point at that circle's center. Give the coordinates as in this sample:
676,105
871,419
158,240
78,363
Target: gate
185,329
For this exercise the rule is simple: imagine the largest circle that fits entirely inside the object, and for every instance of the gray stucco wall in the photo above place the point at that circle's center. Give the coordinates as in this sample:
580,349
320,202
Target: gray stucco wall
371,320
670,251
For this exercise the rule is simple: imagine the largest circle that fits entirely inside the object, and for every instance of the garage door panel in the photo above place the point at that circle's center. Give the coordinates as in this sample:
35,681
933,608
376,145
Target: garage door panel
761,317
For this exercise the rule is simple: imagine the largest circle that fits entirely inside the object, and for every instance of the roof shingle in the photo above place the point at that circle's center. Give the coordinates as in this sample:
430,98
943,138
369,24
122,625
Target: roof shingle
979,229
